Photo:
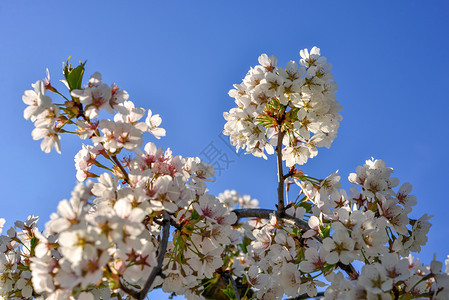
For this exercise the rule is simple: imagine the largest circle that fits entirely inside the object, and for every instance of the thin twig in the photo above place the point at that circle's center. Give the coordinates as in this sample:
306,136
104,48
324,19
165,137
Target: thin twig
281,208
122,169
291,172
287,175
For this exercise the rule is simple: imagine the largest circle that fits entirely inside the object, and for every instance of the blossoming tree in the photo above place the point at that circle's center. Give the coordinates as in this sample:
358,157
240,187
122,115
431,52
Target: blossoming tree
142,219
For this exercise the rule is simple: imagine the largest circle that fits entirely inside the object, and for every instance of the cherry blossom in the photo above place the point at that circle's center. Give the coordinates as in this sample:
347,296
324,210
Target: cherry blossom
141,219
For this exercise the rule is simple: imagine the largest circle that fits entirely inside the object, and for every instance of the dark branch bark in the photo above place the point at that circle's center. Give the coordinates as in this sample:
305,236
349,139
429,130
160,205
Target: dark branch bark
172,223
160,256
265,214
134,294
305,296
349,269
162,249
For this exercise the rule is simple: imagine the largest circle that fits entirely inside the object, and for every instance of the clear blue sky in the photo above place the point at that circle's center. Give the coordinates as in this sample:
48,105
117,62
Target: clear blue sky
180,59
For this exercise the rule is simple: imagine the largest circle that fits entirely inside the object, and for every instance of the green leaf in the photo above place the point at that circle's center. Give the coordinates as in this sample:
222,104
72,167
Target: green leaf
326,231
245,243
23,268
74,77
34,241
229,291
295,231
327,268
194,215
306,205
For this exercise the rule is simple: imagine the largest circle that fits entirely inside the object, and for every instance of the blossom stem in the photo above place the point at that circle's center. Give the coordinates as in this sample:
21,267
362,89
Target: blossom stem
280,206
57,92
119,165
100,165
428,276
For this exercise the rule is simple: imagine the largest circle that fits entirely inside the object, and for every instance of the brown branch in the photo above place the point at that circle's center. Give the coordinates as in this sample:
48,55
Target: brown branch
172,223
349,269
122,169
162,249
265,214
160,256
281,208
287,175
134,294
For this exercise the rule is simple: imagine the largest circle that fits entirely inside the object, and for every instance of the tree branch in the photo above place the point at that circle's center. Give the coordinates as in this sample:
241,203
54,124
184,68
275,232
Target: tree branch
172,223
281,208
265,214
160,256
134,294
349,269
162,249
305,296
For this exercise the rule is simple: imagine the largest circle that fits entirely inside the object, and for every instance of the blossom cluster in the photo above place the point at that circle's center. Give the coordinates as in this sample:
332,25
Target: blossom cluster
44,113
104,239
142,218
233,199
403,275
371,226
296,104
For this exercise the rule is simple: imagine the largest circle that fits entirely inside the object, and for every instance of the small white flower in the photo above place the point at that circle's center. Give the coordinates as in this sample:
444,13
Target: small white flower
50,139
153,122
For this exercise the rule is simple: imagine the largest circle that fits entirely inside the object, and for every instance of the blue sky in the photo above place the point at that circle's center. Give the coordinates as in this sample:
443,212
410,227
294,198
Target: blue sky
180,58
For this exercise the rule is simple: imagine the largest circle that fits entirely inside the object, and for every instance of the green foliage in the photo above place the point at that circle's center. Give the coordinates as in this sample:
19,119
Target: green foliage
229,291
73,76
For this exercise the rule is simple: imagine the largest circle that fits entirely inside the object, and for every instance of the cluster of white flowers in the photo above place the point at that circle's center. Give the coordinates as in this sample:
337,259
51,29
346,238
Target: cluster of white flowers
44,114
271,261
15,278
123,132
106,236
115,234
231,198
112,238
98,95
371,226
198,250
107,232
296,103
379,278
